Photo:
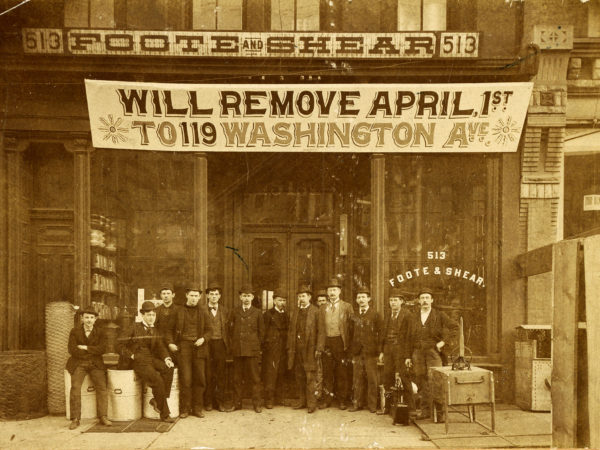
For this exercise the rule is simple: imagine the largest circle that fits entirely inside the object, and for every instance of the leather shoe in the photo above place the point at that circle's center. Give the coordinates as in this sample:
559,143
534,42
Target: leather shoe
183,414
154,405
311,409
343,406
104,421
353,408
168,419
74,424
372,411
269,405
299,405
424,415
237,407
257,408
199,413
208,408
324,405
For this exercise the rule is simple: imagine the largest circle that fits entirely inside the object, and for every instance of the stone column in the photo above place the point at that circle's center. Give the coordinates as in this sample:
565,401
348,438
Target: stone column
378,231
200,264
11,260
81,149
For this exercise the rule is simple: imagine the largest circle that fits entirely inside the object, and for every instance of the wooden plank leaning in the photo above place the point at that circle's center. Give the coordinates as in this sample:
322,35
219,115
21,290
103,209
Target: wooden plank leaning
565,269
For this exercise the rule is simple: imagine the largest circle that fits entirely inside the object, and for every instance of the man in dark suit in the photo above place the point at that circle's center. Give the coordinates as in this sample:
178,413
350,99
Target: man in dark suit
246,328
86,346
151,360
218,350
192,331
365,351
302,345
334,338
392,346
274,356
428,332
166,316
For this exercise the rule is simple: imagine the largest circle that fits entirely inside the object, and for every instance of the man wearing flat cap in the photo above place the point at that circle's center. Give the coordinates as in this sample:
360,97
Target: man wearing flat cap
392,346
218,349
365,351
86,346
274,355
246,331
428,331
302,345
334,339
151,360
166,316
192,331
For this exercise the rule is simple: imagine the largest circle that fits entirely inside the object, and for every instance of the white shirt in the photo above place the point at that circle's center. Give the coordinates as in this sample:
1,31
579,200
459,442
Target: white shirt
213,311
146,325
278,310
424,316
364,310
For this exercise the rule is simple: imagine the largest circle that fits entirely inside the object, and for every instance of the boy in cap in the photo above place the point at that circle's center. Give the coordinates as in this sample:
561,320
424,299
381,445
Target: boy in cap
334,338
276,322
86,346
392,344
365,351
218,350
192,330
151,360
166,315
302,345
428,331
322,297
246,330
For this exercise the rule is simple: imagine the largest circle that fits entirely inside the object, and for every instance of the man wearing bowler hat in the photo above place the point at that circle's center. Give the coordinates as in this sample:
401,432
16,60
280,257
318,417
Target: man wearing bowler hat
334,338
246,330
427,333
192,331
218,350
276,322
86,346
151,360
302,345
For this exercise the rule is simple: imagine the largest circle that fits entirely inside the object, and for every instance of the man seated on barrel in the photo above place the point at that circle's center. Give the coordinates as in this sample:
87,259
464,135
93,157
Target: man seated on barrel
151,360
86,346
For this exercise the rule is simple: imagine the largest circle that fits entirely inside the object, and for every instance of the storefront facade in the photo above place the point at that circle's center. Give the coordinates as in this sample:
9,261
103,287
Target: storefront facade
92,223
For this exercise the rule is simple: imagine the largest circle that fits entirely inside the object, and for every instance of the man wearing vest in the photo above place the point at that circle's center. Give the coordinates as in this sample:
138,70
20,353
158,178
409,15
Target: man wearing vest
428,332
246,328
218,350
365,346
86,346
151,360
392,347
166,316
192,331
302,345
274,356
334,338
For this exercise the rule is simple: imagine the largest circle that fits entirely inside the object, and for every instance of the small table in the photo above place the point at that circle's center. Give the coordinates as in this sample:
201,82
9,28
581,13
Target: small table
462,387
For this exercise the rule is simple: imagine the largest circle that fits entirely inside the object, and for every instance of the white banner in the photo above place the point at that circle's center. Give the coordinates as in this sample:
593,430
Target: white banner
426,118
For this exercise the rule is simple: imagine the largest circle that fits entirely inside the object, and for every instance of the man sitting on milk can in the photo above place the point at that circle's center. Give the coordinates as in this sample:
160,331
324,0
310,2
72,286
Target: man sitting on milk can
151,360
86,346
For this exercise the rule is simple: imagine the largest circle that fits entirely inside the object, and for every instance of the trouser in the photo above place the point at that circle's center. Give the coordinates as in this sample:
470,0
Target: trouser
423,359
306,381
365,372
98,377
246,367
273,368
335,367
159,377
393,364
216,365
191,378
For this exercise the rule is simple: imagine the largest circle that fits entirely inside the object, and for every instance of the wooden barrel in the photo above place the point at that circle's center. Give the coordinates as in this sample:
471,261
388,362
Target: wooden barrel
88,397
124,395
172,401
23,385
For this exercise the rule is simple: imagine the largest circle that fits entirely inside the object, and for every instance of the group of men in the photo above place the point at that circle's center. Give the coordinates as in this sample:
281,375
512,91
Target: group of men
319,341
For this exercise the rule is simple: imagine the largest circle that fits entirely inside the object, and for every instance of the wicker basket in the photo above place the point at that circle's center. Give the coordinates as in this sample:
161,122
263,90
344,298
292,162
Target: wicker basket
23,384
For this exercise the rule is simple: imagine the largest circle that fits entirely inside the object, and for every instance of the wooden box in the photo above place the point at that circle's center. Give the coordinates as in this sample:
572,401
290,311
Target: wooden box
462,387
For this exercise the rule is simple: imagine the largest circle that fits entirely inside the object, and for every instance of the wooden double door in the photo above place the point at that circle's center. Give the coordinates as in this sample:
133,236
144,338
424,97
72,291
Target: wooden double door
286,260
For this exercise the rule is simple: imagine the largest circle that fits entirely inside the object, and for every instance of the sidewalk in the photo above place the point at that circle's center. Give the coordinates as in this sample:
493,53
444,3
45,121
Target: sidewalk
284,427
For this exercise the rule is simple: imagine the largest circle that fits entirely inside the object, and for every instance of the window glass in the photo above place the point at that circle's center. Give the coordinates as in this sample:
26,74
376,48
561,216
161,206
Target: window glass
409,15
229,14
307,15
102,13
434,15
76,13
282,15
204,14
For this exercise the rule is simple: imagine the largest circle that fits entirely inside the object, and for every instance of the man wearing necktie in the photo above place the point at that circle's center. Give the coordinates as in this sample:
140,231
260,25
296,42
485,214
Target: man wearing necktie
246,330
86,346
166,316
334,338
365,351
151,360
391,346
274,356
302,345
218,350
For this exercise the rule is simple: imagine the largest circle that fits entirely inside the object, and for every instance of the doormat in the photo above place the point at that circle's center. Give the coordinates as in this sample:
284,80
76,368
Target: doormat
134,426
